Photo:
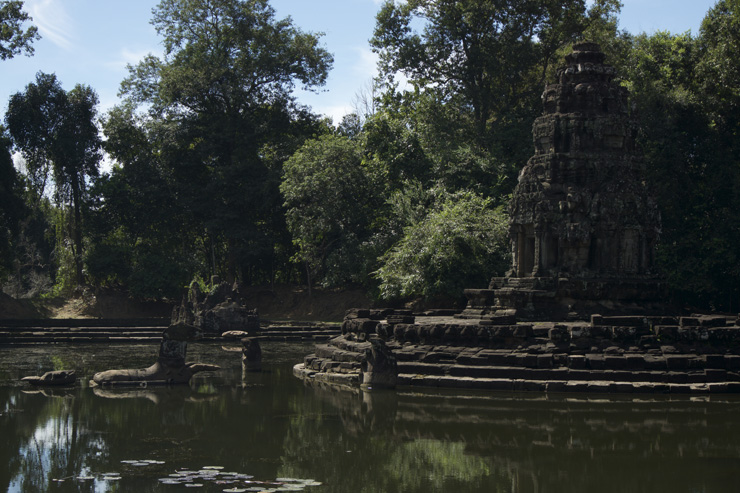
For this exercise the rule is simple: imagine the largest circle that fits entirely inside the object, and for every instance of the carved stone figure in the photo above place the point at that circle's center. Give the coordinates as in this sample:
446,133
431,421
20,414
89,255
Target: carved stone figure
53,378
251,354
378,369
170,367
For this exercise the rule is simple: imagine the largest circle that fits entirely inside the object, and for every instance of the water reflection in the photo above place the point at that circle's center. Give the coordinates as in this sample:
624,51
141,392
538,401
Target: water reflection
271,425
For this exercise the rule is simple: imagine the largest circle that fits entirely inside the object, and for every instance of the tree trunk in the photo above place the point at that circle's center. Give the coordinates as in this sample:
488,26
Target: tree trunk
231,261
77,232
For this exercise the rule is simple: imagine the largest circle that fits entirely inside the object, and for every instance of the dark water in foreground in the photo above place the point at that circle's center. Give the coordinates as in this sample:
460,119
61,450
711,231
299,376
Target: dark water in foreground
270,425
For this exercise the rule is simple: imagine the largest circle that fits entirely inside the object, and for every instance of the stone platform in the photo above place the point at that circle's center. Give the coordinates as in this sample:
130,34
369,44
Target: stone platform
608,354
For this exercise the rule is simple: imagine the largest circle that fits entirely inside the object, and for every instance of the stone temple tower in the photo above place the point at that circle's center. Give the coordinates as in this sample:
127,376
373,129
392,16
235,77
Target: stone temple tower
583,226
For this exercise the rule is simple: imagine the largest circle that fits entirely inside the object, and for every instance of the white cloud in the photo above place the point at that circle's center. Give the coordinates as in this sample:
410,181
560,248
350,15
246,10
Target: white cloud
53,21
336,112
126,57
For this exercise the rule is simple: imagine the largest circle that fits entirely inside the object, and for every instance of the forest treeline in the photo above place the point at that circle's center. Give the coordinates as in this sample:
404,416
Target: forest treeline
218,169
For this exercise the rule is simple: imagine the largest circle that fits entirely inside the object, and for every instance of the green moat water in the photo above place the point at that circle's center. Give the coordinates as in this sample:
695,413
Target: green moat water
277,434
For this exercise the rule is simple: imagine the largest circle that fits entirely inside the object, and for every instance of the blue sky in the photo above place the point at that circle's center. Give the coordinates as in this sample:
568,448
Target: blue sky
91,41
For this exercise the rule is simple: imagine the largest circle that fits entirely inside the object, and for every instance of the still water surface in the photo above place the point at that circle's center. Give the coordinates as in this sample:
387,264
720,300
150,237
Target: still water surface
270,425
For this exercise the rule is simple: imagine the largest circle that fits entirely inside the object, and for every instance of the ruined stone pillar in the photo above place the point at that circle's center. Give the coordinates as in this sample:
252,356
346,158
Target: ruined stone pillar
520,254
515,254
537,253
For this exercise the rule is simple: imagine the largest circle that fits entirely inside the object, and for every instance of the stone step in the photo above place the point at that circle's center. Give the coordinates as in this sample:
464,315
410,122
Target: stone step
574,386
85,322
97,328
565,374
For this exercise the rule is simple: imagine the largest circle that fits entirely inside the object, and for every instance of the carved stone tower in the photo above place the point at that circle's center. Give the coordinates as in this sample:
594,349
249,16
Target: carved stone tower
583,227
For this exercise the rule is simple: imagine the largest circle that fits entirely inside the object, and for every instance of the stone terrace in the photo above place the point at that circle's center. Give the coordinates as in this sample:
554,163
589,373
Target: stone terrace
627,354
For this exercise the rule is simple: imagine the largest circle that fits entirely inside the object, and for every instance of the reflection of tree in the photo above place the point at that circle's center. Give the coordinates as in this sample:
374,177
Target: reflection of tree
492,442
443,463
359,437
271,425
46,444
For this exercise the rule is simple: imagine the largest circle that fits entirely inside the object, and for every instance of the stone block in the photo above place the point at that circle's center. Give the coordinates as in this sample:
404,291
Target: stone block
541,331
732,362
615,362
527,360
715,375
595,362
676,388
634,361
544,361
556,386
622,388
666,332
676,377
579,331
577,362
625,334
468,335
712,321
714,361
693,334
677,362
357,313
558,335
733,387
523,331
502,333
579,387
723,335
399,319
598,387
624,321
688,321
508,319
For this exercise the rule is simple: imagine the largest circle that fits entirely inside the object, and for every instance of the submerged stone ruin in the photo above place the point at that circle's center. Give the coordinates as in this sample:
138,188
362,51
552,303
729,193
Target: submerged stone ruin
220,310
169,368
582,309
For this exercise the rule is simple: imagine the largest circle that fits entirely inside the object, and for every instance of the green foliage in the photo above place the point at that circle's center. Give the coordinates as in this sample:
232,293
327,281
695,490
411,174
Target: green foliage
56,133
461,243
14,40
330,200
221,97
688,131
12,207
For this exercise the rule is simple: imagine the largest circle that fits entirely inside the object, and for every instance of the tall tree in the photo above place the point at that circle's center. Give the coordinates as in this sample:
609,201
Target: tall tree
226,78
477,68
14,40
11,202
483,49
56,132
331,199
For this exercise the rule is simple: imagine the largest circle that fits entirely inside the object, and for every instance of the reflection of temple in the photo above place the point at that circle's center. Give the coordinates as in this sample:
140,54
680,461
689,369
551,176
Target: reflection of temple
583,227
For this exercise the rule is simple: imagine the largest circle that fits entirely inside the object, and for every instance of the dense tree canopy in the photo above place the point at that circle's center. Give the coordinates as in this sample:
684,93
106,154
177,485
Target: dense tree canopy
56,132
14,40
217,169
220,121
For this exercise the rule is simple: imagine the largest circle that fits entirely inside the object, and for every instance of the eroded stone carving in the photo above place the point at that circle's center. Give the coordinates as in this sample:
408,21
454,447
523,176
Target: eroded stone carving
378,368
53,378
583,225
220,310
170,367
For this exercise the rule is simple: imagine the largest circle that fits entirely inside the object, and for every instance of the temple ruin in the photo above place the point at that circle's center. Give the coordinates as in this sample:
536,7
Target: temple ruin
583,226
581,309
